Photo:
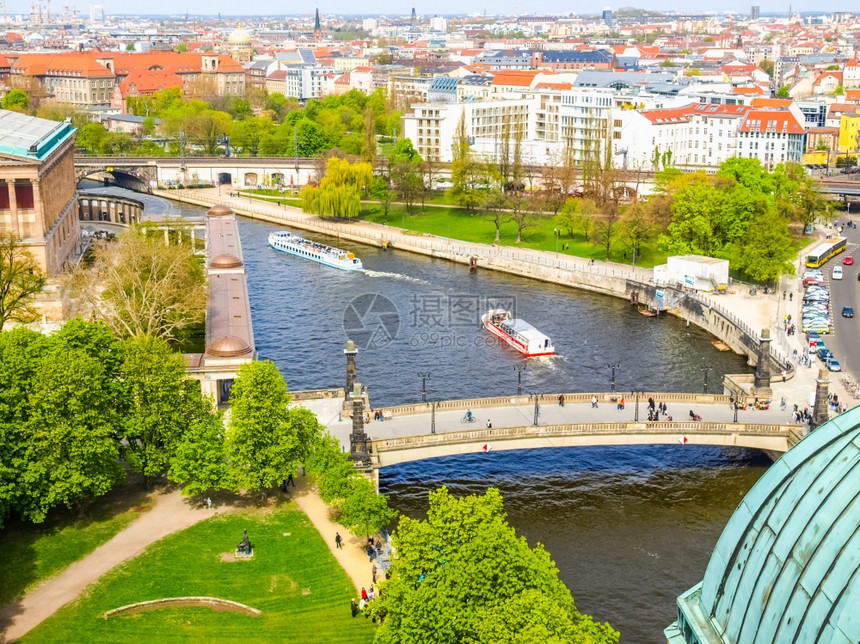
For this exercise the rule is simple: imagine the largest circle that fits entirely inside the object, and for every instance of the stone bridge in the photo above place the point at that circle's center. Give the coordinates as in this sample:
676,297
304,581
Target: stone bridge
771,438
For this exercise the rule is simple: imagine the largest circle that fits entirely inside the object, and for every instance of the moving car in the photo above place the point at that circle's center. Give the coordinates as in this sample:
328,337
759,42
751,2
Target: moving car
849,260
848,311
833,365
837,273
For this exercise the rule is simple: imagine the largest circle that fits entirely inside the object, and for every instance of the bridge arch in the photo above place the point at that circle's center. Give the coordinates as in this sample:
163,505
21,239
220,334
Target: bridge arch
394,451
121,178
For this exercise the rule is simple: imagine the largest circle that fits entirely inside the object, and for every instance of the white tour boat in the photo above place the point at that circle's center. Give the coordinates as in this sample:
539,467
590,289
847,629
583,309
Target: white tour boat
521,335
287,242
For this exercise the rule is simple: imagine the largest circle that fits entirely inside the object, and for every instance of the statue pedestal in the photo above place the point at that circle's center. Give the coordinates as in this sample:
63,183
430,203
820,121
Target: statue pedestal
244,555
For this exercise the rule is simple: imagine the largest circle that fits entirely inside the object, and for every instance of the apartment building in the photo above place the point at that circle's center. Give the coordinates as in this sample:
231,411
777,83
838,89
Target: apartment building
772,137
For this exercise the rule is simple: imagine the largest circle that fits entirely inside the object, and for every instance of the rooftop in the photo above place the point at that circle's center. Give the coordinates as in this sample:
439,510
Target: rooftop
29,137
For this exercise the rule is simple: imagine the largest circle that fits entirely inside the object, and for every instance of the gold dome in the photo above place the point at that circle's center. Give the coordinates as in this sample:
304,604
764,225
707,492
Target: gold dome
225,260
219,211
239,36
228,346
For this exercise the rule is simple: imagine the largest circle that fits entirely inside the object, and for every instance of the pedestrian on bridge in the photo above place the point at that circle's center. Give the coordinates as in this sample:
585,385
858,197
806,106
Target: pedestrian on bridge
594,402
561,400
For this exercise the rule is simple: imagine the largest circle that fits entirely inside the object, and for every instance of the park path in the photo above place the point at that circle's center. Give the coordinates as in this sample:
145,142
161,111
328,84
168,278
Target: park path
351,556
171,513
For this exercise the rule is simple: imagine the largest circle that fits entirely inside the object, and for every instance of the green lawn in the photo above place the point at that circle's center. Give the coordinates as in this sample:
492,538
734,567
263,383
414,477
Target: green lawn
32,553
293,579
457,223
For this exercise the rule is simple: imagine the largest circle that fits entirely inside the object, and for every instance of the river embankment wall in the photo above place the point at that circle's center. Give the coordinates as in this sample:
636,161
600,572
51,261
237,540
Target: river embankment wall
632,284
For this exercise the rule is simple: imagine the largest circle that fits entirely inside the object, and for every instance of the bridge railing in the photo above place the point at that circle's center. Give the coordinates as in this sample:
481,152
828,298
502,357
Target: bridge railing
530,431
569,398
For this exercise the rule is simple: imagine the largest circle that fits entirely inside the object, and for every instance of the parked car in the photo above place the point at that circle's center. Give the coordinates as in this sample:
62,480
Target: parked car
824,354
833,365
848,260
837,273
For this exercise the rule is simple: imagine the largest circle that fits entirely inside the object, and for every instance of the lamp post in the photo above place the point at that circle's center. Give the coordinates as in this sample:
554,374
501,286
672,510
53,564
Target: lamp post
705,369
424,375
636,393
613,366
520,368
433,417
537,407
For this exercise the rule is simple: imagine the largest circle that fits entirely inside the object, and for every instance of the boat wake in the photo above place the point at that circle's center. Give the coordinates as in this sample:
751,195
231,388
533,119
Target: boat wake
397,276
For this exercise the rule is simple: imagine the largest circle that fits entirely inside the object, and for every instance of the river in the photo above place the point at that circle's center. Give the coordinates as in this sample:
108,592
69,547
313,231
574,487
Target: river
630,528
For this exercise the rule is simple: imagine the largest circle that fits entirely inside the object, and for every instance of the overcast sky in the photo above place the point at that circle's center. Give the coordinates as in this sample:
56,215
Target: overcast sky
423,7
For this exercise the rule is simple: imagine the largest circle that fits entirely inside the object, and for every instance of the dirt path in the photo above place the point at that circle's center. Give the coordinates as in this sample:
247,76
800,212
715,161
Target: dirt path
351,556
170,514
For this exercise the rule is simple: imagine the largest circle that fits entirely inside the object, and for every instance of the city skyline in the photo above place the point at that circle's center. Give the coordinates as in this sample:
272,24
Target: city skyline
447,7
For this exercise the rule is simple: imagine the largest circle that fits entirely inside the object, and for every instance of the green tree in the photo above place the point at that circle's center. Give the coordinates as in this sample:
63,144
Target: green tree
637,228
404,152
129,46
139,285
181,47
90,137
339,192
266,440
198,463
407,182
766,66
363,511
783,91
465,170
368,145
248,134
159,404
20,280
463,575
17,100
72,455
768,250
380,192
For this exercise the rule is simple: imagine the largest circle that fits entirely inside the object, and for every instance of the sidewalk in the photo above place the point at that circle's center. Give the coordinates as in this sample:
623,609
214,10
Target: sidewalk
171,513
351,556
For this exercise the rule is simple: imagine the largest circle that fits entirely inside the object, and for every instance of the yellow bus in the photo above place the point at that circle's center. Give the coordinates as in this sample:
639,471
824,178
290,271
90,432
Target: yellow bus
825,250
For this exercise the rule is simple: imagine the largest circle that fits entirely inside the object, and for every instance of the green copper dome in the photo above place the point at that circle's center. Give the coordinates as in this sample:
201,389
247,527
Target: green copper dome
787,566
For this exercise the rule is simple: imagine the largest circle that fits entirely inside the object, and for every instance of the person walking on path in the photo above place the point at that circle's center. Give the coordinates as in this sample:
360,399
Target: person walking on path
594,402
337,540
561,400
289,482
353,607
364,593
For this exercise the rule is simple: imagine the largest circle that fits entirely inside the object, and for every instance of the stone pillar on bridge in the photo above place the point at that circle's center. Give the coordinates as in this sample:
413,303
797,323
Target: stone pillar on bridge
351,372
820,414
762,369
358,437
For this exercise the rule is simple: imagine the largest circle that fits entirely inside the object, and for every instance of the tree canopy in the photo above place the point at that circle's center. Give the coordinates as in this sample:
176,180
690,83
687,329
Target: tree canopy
339,193
20,280
464,575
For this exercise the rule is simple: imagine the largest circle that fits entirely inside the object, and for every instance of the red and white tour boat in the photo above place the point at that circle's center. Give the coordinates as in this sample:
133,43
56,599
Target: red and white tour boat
521,335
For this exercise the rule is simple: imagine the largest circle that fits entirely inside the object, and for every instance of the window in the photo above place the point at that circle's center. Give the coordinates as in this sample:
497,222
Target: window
24,194
4,196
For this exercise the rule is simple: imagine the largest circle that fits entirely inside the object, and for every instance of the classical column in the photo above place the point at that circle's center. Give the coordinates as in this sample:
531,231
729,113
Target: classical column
13,209
820,413
762,369
351,372
358,437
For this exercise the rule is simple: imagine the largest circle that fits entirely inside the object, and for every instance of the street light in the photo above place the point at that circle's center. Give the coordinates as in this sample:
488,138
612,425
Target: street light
636,393
433,417
705,369
520,368
613,366
424,376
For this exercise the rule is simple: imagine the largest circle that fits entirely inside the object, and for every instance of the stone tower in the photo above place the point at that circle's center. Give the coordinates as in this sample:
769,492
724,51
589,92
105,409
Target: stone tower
317,26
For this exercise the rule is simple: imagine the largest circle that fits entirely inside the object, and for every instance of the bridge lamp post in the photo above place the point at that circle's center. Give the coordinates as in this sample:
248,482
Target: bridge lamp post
520,368
613,366
424,375
636,393
705,370
433,416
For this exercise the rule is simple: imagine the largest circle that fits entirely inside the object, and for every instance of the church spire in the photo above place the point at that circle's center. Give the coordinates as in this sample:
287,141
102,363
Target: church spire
317,27
414,20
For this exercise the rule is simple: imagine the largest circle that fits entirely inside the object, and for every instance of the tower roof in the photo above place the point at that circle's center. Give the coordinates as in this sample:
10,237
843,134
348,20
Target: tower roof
317,26
787,566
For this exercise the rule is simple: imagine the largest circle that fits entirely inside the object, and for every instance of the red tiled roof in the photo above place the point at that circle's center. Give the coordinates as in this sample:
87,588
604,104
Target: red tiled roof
778,121
772,102
748,91
149,82
669,115
518,78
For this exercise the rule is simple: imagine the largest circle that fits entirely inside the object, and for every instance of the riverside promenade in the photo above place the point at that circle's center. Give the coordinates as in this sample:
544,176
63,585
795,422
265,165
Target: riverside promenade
751,312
